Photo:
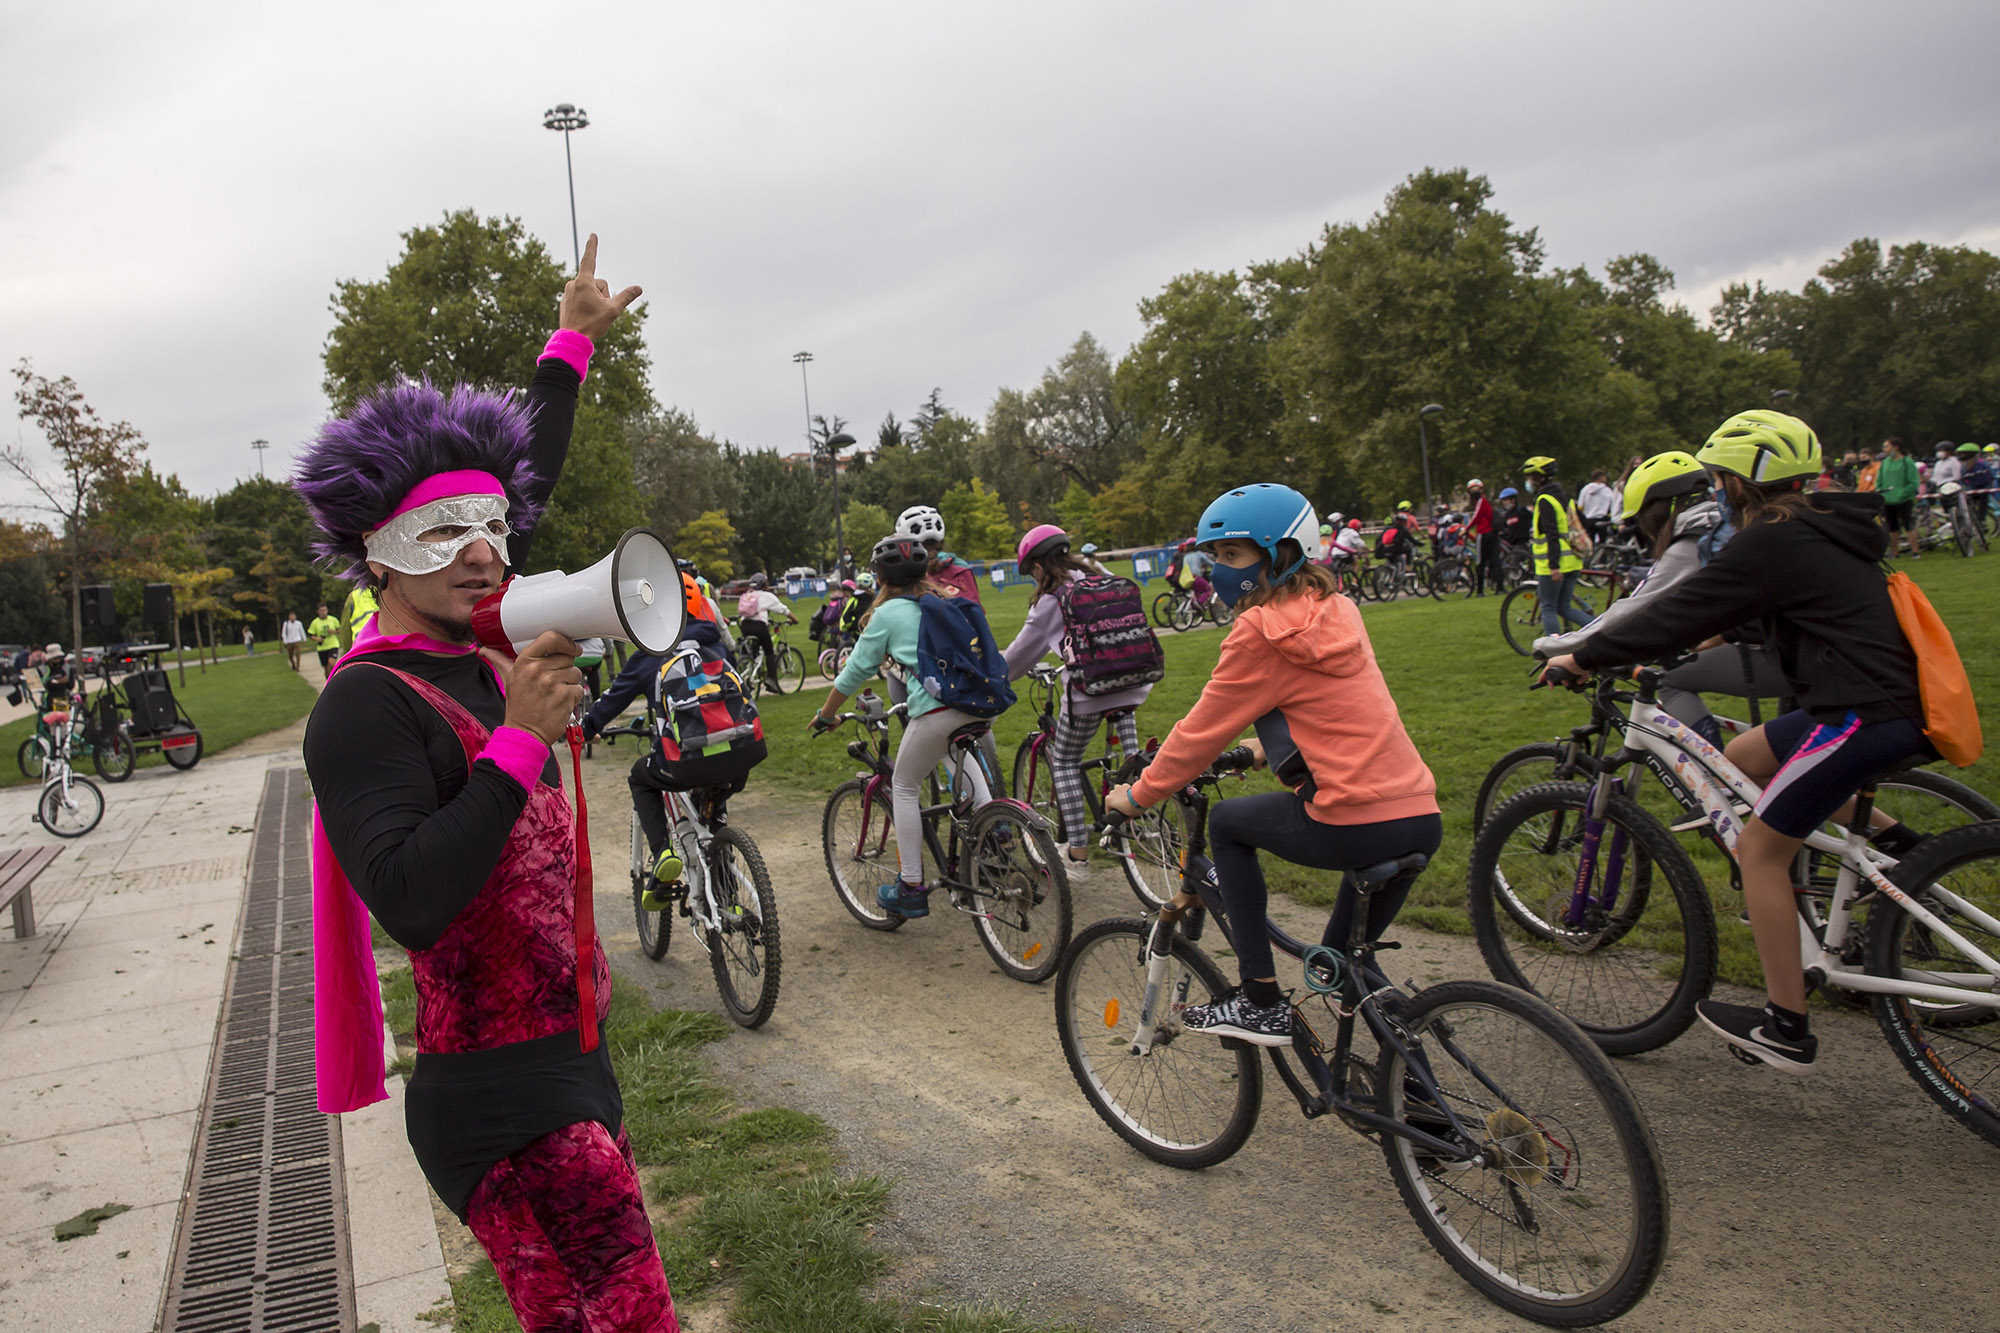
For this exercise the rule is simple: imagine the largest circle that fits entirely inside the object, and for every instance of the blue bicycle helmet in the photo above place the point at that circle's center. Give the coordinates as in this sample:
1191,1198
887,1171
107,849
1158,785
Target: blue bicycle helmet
1264,514
1508,493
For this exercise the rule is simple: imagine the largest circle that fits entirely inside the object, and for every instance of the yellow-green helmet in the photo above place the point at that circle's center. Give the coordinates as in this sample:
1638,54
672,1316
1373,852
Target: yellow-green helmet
1672,473
1403,508
1762,446
1539,463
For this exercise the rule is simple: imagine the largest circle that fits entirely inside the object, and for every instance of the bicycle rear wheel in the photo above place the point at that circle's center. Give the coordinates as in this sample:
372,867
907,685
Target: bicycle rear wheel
1927,802
1035,784
1163,610
656,926
1961,532
31,757
1192,1100
1952,1051
73,812
1641,952
1186,615
744,951
791,674
858,836
1563,1216
113,757
1020,893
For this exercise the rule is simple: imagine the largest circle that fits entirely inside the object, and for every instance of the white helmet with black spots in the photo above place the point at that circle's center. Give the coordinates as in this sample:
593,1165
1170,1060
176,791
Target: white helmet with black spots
921,523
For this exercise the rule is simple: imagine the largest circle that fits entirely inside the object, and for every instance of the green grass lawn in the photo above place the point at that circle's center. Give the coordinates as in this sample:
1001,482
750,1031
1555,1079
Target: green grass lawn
231,701
1463,696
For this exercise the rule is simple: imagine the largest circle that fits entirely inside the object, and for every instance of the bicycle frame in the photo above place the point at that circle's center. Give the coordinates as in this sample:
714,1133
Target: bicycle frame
1702,777
1360,984
1043,693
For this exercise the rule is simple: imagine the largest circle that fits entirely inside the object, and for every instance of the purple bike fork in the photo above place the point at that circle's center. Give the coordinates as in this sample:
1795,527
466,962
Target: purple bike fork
1586,866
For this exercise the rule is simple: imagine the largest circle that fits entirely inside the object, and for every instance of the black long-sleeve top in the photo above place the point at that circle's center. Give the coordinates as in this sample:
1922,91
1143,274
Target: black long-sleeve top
1813,583
416,834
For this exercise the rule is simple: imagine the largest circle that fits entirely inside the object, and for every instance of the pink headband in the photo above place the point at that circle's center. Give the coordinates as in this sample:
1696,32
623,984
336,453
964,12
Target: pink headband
446,485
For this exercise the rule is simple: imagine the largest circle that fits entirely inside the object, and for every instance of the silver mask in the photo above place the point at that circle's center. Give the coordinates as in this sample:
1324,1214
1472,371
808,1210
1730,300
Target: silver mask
397,545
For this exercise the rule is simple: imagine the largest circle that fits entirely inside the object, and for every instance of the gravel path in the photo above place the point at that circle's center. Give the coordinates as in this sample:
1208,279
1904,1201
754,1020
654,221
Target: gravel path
1797,1203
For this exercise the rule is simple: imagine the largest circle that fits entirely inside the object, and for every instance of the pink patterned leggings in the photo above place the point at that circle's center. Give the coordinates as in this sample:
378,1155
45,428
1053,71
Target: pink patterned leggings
565,1224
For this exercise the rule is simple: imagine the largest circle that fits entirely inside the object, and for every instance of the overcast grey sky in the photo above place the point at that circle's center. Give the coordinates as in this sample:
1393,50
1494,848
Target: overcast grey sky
921,194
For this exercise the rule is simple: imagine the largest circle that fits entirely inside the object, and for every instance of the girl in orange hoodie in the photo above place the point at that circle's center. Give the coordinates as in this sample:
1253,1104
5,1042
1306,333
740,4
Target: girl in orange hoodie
1298,667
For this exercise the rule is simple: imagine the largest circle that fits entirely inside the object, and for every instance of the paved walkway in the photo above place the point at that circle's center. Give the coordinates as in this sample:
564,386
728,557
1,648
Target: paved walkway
108,1019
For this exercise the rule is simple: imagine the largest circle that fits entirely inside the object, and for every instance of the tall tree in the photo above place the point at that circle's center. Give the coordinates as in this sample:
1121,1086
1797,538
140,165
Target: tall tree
777,521
1075,424
975,522
90,456
679,468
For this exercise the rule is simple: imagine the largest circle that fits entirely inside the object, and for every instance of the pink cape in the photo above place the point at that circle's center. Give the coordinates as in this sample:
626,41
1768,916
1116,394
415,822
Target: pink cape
347,993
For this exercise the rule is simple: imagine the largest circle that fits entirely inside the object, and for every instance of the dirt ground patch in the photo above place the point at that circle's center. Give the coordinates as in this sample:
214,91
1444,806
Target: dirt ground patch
1797,1203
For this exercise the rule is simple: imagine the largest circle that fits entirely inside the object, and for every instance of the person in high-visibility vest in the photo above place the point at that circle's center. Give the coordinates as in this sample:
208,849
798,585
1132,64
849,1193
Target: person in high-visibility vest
324,632
355,615
1557,565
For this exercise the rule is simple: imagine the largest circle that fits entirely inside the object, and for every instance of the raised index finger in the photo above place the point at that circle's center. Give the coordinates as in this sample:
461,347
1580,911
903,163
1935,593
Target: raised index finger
587,269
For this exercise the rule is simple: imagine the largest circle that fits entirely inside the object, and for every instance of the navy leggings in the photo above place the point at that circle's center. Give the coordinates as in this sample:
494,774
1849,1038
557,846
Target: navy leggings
1277,822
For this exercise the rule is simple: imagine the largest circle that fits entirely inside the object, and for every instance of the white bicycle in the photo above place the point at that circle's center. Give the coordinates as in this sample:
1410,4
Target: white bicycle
724,889
70,806
1581,896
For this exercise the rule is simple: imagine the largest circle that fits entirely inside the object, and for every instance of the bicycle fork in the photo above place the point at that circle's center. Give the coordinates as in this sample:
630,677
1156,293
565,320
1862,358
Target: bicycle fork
1578,911
1163,991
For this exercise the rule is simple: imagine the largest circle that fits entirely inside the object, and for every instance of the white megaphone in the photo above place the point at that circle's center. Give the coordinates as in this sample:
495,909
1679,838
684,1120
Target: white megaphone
632,594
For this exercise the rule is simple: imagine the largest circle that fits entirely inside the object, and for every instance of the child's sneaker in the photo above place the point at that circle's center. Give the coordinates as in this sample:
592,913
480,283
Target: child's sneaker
903,900
1752,1032
1235,1016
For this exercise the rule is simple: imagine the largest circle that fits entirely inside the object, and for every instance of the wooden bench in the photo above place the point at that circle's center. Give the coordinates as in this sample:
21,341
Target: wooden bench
18,871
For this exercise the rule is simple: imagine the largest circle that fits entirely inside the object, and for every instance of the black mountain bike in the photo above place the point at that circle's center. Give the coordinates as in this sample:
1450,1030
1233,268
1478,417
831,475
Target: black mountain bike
1515,1144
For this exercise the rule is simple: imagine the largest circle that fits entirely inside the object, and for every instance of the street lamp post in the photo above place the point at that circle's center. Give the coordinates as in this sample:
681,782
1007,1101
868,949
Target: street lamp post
1424,444
833,448
562,116
260,446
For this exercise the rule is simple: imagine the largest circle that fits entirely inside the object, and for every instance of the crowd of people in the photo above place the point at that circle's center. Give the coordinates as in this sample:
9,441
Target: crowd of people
442,810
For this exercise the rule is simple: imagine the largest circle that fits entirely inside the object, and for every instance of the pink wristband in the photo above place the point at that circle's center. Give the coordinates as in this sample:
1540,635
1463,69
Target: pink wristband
572,347
520,754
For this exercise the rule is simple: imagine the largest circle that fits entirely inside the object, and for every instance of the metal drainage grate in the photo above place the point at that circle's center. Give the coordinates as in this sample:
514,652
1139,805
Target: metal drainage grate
263,1230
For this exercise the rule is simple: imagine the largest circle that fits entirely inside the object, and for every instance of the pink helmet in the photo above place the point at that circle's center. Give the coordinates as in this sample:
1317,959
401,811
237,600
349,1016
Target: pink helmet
1043,539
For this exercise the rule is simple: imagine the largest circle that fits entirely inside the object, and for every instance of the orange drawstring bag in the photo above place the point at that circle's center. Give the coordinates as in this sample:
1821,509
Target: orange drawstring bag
1951,719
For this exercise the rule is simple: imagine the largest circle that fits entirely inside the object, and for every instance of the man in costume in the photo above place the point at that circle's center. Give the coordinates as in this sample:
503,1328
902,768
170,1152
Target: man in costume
441,805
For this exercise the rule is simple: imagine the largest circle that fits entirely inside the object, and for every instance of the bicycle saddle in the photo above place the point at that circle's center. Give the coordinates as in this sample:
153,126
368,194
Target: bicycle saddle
971,731
1369,877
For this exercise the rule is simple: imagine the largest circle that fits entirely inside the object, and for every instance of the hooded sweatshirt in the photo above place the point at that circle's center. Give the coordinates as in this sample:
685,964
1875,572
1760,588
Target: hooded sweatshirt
1303,663
1814,583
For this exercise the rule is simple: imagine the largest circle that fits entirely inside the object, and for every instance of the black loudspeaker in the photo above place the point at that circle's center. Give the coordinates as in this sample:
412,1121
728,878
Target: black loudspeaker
159,603
97,608
152,702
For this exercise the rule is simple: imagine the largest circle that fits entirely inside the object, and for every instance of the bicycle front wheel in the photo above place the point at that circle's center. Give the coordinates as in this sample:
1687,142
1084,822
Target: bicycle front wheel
743,950
1149,850
791,675
1951,1050
1192,1099
1961,532
1163,610
1020,893
1186,615
1521,618
70,809
1563,1215
656,925
858,836
1627,963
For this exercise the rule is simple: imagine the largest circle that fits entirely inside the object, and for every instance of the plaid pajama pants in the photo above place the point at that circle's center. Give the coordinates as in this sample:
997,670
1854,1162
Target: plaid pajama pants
1066,750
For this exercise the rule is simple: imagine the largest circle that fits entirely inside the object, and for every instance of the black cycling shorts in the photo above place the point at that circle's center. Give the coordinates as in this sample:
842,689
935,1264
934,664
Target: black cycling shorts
1827,762
1900,516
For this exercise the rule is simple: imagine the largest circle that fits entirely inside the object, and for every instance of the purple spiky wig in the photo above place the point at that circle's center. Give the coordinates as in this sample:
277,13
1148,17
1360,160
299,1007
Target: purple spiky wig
362,465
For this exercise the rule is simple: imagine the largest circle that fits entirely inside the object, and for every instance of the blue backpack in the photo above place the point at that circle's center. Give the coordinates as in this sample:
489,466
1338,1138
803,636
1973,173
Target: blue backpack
958,664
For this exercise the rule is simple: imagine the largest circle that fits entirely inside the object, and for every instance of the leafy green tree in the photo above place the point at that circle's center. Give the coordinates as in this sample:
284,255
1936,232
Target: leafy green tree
1124,515
863,525
472,299
776,514
679,468
1076,513
706,540
90,457
271,586
594,502
261,523
1076,424
975,522
1906,344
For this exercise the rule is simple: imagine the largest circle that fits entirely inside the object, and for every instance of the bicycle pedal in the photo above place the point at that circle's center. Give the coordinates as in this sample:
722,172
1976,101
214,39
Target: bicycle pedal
1743,1055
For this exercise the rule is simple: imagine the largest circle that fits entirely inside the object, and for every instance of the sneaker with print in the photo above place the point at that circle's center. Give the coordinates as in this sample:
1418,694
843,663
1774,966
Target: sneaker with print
1234,1015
